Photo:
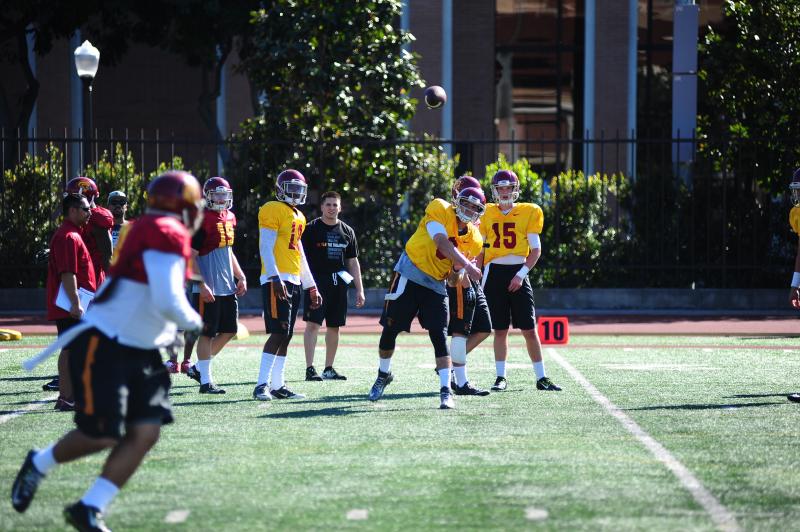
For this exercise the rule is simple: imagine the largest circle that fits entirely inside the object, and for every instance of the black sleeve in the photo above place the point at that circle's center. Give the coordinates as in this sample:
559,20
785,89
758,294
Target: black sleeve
351,251
198,238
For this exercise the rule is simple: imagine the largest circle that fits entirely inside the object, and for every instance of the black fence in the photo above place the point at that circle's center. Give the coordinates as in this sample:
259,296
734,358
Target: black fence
717,219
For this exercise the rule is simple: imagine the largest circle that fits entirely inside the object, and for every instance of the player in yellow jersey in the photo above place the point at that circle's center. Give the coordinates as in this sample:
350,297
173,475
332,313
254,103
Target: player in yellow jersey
512,247
283,270
794,222
445,238
470,323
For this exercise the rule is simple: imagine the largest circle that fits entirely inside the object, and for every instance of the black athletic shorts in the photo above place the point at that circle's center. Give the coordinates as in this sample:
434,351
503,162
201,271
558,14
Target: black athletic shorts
481,320
279,316
509,308
65,324
462,308
407,300
219,316
116,385
334,301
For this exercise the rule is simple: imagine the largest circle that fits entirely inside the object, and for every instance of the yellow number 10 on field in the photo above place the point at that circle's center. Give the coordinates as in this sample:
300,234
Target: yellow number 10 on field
553,330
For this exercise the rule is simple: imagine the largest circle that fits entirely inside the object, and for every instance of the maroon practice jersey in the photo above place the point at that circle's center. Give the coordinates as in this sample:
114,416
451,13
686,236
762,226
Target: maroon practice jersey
216,231
148,232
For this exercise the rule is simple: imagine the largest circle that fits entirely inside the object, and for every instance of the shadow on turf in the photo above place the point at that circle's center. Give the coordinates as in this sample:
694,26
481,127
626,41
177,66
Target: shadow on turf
28,378
706,406
754,395
333,411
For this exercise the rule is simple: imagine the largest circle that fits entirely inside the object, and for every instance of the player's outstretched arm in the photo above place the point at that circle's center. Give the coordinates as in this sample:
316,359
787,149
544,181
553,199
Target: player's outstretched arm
447,249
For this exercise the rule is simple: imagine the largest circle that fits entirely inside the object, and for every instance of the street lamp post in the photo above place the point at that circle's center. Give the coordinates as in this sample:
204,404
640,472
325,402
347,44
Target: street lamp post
87,58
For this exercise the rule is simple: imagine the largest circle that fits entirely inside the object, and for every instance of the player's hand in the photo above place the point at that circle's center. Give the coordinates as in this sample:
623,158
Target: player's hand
176,347
515,284
316,298
205,294
76,310
360,299
794,297
473,272
241,286
279,289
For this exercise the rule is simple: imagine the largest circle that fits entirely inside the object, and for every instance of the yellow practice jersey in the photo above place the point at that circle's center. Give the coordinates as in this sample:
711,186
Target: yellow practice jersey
794,219
422,250
289,223
507,234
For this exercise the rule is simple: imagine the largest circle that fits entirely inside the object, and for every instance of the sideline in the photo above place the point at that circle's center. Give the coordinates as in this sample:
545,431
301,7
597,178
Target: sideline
33,405
722,517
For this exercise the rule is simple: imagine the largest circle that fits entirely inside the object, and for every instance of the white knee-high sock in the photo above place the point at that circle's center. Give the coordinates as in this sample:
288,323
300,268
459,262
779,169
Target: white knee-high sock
100,494
277,373
44,460
500,366
267,359
204,367
538,367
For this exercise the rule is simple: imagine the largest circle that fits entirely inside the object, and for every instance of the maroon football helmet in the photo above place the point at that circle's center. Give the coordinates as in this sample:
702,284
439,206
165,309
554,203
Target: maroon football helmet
218,194
291,187
177,192
470,204
465,181
509,182
794,187
83,186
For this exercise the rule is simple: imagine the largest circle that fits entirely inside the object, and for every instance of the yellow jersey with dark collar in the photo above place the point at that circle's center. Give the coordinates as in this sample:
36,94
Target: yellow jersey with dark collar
507,234
289,223
422,250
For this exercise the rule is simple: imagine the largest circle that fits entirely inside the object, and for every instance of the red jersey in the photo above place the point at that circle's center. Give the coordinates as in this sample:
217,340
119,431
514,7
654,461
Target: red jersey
68,253
100,218
148,232
216,231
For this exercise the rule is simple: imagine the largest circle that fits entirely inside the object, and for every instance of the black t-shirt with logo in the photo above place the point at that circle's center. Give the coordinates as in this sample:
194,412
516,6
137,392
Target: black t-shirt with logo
328,246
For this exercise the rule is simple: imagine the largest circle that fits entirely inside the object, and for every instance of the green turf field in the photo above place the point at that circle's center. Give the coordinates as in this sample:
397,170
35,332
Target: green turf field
516,460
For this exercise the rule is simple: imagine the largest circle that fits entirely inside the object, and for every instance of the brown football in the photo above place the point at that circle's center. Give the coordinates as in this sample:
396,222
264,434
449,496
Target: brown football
435,97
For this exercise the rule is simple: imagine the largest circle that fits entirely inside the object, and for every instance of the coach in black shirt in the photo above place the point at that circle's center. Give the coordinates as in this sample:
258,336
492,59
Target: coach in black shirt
332,253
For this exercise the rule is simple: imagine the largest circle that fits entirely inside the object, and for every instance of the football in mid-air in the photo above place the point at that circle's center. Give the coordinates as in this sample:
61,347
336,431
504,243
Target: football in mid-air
435,97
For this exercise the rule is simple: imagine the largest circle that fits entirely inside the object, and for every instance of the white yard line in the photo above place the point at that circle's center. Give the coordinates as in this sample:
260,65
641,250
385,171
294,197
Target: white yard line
33,405
177,516
722,517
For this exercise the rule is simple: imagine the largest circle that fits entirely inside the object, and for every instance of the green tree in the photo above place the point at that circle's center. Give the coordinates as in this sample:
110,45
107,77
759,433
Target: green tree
333,82
749,91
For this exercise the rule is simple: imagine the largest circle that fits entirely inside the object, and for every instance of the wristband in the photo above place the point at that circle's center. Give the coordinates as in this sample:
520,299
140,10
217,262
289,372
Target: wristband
796,279
523,271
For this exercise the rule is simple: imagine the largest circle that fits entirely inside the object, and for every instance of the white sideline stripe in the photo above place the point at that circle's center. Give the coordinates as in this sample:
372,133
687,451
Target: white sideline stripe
33,405
176,516
721,516
357,514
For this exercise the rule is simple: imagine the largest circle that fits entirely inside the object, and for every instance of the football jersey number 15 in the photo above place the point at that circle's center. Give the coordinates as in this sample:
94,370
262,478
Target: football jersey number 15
509,237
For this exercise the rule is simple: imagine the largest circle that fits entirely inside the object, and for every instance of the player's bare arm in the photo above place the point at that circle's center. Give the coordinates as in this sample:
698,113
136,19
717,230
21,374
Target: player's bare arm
205,292
241,279
530,262
354,268
70,283
308,279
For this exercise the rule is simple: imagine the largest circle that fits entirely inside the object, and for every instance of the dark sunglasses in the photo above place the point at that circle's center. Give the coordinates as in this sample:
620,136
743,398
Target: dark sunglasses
118,203
85,209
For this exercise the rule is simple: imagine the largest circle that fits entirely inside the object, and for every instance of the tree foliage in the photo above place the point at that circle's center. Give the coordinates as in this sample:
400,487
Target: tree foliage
749,89
333,80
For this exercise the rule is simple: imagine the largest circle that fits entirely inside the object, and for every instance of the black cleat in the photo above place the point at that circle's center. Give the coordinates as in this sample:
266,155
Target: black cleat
446,399
193,373
51,386
85,518
312,375
500,384
211,388
26,483
383,380
794,397
546,384
469,389
330,374
285,393
62,405
261,393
